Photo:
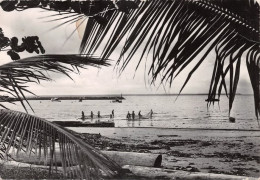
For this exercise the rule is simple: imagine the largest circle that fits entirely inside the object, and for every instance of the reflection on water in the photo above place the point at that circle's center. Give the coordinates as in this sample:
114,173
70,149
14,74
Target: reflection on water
139,123
189,111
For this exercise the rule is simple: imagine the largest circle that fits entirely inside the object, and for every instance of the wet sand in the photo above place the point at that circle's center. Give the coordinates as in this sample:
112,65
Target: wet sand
192,150
195,150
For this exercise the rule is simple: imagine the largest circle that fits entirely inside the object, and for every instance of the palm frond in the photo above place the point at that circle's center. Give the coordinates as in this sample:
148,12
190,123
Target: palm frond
15,75
253,66
44,140
175,33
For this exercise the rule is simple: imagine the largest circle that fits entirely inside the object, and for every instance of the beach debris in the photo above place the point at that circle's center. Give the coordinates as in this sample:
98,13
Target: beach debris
232,119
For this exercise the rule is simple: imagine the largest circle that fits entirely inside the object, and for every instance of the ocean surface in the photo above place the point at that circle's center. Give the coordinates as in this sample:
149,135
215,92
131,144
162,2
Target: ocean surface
188,111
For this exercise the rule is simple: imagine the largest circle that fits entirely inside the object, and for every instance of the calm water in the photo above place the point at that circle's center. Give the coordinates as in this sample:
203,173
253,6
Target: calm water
188,111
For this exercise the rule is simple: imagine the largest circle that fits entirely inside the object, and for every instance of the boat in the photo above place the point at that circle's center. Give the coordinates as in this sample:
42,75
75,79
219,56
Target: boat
117,101
55,100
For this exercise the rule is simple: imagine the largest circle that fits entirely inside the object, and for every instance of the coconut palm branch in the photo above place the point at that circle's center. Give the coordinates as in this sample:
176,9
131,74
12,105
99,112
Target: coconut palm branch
176,33
15,75
55,146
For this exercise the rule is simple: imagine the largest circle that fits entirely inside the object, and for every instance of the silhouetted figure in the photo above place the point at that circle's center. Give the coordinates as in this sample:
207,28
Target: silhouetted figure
111,116
128,116
139,115
151,113
113,113
133,115
91,115
98,114
82,115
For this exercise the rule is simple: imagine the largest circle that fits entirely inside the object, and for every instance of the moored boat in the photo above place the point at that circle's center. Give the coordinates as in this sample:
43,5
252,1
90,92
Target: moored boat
117,101
55,100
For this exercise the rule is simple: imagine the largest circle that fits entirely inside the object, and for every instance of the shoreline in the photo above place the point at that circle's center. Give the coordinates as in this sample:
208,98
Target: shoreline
192,129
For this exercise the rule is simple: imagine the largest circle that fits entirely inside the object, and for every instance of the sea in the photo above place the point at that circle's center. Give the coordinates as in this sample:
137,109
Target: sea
169,111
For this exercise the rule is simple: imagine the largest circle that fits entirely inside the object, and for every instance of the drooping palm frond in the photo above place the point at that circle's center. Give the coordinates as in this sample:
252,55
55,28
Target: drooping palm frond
47,141
176,32
15,75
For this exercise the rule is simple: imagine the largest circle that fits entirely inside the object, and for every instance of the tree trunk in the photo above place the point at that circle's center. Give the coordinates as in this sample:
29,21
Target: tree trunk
121,158
160,173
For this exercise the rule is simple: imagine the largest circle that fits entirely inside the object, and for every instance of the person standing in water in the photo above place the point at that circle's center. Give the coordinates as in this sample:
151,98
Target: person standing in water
98,114
82,115
128,116
91,115
113,113
151,113
139,115
133,114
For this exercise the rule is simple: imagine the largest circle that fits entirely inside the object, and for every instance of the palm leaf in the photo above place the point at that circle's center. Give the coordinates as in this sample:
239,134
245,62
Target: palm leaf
43,140
254,71
175,33
15,75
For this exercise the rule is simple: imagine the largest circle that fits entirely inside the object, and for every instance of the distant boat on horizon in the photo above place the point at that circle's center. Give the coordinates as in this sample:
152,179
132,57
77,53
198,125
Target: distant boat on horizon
55,99
117,101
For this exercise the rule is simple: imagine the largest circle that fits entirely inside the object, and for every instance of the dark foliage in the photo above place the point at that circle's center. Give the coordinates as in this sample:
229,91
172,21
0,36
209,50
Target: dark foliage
30,44
178,32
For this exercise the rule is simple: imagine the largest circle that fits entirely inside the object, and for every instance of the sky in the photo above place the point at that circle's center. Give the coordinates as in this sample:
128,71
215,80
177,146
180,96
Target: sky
97,81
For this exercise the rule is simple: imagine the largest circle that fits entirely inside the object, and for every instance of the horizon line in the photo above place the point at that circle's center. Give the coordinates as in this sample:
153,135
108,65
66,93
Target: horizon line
133,94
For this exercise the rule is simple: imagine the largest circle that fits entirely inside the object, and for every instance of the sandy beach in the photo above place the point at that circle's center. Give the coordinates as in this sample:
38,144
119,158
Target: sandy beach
194,150
230,152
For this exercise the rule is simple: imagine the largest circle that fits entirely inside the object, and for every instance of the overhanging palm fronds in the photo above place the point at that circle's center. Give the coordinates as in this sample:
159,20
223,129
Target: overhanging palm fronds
41,138
175,32
15,75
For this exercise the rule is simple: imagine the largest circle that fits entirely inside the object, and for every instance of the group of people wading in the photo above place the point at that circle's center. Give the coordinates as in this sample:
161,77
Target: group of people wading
140,116
112,115
98,115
